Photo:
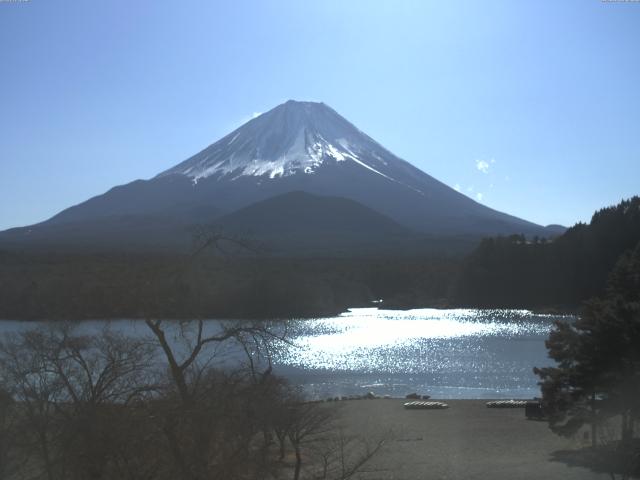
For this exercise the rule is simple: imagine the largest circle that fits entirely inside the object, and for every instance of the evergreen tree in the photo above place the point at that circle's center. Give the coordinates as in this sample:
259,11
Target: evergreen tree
598,358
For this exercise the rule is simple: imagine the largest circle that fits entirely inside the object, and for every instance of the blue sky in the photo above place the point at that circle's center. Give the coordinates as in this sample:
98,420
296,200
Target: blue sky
532,108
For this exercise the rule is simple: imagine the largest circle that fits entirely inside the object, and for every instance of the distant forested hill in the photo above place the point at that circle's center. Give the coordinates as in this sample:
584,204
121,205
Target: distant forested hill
84,286
517,272
502,272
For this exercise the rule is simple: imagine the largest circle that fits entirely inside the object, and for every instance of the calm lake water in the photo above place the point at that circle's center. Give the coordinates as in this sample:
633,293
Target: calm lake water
456,353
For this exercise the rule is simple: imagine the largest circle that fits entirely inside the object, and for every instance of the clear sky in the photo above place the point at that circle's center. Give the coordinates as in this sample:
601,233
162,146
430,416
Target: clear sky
532,108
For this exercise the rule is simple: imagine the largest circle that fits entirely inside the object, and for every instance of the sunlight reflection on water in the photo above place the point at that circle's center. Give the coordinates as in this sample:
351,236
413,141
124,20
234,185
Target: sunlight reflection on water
458,352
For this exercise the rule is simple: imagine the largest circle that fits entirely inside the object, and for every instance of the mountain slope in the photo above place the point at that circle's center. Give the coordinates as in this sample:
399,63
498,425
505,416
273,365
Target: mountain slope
296,212
308,146
297,146
299,222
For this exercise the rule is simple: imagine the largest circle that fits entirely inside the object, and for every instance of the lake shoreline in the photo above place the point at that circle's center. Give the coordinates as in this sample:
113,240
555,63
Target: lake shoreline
555,311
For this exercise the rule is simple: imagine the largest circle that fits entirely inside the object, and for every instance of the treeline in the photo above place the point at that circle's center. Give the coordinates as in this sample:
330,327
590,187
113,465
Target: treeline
518,272
502,272
66,286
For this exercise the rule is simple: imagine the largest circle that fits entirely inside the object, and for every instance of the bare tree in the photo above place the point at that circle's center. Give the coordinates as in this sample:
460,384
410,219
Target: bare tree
306,421
70,390
195,419
7,432
319,442
255,339
25,376
342,456
205,396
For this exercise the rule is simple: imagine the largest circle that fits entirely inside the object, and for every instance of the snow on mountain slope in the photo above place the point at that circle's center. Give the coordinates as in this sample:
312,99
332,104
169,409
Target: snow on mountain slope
308,146
293,138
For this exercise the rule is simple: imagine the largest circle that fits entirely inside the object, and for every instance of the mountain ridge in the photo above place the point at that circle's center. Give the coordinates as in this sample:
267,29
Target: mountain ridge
296,146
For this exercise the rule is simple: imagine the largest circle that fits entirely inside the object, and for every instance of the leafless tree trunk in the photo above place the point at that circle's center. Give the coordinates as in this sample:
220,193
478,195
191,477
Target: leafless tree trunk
66,386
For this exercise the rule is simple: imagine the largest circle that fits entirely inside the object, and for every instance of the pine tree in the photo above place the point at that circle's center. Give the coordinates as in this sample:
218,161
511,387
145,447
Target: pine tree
598,358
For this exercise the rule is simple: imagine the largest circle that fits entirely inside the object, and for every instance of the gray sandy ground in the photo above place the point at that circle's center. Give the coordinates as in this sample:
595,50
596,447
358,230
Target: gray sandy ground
466,441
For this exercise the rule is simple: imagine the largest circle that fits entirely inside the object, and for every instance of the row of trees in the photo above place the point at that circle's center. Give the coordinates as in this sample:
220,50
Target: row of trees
110,406
517,272
81,286
597,376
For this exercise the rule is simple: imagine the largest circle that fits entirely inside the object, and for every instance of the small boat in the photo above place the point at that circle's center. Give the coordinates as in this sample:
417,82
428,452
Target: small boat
507,404
425,405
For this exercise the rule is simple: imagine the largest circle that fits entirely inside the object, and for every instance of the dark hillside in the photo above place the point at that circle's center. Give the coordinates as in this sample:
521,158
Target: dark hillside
516,272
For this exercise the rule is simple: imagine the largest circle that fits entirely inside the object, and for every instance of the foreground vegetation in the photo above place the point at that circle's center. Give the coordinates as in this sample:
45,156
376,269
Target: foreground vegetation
596,380
162,407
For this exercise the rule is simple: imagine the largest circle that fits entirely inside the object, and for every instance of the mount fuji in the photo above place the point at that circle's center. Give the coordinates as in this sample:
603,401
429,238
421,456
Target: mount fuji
245,181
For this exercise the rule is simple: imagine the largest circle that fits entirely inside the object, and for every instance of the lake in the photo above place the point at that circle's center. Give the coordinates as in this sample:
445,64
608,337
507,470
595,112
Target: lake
455,353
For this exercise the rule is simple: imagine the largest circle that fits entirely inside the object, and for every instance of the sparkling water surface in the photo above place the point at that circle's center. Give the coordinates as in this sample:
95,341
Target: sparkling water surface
455,353
459,353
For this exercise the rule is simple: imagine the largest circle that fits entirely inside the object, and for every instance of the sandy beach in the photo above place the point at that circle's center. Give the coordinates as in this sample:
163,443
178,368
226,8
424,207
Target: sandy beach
466,441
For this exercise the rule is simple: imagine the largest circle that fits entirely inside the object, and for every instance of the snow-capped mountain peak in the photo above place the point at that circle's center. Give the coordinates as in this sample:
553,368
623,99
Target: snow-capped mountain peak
301,147
293,138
